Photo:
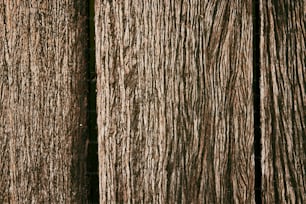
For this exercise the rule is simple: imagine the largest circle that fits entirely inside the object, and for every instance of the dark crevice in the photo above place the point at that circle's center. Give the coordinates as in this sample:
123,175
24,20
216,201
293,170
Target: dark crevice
256,100
91,143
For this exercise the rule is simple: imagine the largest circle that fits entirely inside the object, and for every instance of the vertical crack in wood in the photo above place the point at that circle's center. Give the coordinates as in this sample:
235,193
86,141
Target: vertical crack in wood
256,98
91,142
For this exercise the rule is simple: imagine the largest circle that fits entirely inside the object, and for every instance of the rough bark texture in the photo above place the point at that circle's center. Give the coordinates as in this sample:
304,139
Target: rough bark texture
174,100
42,103
283,101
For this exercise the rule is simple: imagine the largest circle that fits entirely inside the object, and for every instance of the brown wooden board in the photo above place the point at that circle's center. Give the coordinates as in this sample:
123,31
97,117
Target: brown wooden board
283,101
174,98
42,101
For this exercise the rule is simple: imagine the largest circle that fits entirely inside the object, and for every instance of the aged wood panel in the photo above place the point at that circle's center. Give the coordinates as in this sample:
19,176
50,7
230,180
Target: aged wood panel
174,99
42,101
283,101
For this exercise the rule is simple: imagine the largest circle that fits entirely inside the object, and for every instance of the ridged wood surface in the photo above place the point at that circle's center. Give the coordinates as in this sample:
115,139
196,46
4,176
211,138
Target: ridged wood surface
283,101
42,103
174,98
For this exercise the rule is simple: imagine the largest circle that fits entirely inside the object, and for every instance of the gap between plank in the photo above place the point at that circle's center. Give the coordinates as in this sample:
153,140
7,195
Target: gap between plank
256,100
92,173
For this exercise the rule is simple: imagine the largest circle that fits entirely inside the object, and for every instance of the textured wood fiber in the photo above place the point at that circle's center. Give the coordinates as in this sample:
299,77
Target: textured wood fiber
174,98
42,103
283,101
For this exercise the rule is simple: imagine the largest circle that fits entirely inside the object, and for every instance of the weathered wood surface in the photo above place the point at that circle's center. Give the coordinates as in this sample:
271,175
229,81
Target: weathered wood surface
174,98
283,101
42,103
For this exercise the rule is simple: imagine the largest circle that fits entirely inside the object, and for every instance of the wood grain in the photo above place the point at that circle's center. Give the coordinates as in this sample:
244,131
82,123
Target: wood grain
42,101
174,99
283,101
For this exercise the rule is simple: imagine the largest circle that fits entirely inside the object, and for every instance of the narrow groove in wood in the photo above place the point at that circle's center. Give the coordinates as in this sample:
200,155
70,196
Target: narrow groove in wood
256,98
91,144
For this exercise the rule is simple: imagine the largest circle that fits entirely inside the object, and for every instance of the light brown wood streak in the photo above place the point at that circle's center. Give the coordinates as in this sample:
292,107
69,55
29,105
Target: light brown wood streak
42,101
283,101
174,98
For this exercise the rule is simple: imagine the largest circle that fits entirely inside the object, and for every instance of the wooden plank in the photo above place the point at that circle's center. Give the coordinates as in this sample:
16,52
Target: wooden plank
42,101
283,101
174,99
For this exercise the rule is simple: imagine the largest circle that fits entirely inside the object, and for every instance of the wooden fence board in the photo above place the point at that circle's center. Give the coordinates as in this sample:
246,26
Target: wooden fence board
283,101
42,103
174,99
